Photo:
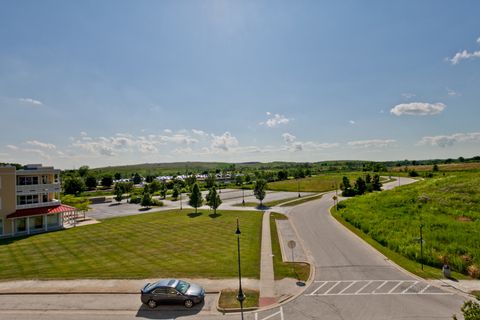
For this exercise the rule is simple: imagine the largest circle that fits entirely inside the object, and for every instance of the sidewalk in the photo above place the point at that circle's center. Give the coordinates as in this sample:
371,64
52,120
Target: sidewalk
464,286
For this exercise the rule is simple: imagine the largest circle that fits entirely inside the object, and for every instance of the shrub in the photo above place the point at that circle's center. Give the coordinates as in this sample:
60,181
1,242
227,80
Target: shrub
473,271
135,199
157,203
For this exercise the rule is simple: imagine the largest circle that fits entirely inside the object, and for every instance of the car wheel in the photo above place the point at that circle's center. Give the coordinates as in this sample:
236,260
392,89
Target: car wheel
188,303
152,304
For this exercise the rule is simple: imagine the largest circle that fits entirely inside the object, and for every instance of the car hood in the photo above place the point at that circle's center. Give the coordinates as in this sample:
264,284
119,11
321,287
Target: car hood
195,290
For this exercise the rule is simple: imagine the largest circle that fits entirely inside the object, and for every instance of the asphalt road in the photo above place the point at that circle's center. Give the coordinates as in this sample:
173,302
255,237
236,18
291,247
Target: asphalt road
351,277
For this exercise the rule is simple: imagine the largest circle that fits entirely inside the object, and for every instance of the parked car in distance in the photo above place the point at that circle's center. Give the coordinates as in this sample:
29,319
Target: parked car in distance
172,291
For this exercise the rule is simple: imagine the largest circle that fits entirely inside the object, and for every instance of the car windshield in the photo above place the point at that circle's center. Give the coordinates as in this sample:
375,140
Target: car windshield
182,286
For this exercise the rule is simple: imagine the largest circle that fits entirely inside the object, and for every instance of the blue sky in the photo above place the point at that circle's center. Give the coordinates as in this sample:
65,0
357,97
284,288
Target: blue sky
123,82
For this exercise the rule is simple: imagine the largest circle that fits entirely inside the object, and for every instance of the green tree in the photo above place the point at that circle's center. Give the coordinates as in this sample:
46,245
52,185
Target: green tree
117,176
360,186
376,184
175,192
196,199
80,203
118,194
107,181
73,185
435,168
213,199
239,180
154,186
91,182
470,310
163,190
146,200
83,171
210,180
248,179
137,179
282,175
190,180
259,190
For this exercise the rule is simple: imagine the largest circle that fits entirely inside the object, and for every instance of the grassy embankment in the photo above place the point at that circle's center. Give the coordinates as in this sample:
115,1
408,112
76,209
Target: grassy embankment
164,244
448,207
297,270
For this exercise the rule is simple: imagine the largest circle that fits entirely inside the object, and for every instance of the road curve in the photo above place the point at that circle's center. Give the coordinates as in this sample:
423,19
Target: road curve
353,280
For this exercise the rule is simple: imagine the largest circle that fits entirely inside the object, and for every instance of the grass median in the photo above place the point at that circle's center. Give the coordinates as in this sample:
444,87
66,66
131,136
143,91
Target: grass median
296,270
175,243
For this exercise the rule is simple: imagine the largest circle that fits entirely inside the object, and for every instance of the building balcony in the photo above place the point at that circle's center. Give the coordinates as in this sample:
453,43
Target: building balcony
39,205
38,188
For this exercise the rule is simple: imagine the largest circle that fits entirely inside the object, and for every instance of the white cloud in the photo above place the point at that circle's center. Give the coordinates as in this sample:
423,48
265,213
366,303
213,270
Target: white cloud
41,144
12,147
463,55
408,95
478,40
374,143
418,109
449,140
200,133
224,142
30,101
288,138
452,93
275,121
167,131
291,144
351,122
179,139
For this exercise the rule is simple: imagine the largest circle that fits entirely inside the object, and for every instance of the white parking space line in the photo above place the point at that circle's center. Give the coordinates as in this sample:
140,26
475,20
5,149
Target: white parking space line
373,287
315,291
413,285
366,285
348,287
381,286
394,288
424,289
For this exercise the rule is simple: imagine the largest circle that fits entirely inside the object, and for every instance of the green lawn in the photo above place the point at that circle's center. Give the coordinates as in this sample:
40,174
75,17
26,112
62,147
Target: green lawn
265,204
319,183
297,270
449,209
164,244
228,299
302,200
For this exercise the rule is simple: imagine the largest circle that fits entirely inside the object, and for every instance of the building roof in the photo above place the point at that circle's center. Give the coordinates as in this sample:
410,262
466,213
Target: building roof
41,211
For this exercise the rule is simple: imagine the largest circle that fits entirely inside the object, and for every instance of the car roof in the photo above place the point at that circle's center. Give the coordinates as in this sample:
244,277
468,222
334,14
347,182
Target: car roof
161,283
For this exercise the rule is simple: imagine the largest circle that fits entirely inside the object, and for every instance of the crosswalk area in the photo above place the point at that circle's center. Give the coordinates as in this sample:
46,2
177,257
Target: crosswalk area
373,287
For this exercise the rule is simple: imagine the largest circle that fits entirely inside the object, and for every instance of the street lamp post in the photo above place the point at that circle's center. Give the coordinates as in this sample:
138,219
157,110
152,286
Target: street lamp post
298,187
241,296
421,245
180,199
243,196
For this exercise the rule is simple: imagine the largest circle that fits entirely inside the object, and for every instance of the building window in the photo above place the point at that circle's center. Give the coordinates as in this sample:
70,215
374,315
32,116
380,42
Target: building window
35,223
1,227
52,220
20,225
25,181
29,199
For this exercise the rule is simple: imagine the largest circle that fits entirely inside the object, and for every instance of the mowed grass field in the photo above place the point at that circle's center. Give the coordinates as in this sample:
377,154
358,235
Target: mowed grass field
447,206
319,183
152,245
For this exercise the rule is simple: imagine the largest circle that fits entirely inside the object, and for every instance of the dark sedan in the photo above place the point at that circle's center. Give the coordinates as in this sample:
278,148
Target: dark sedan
172,291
